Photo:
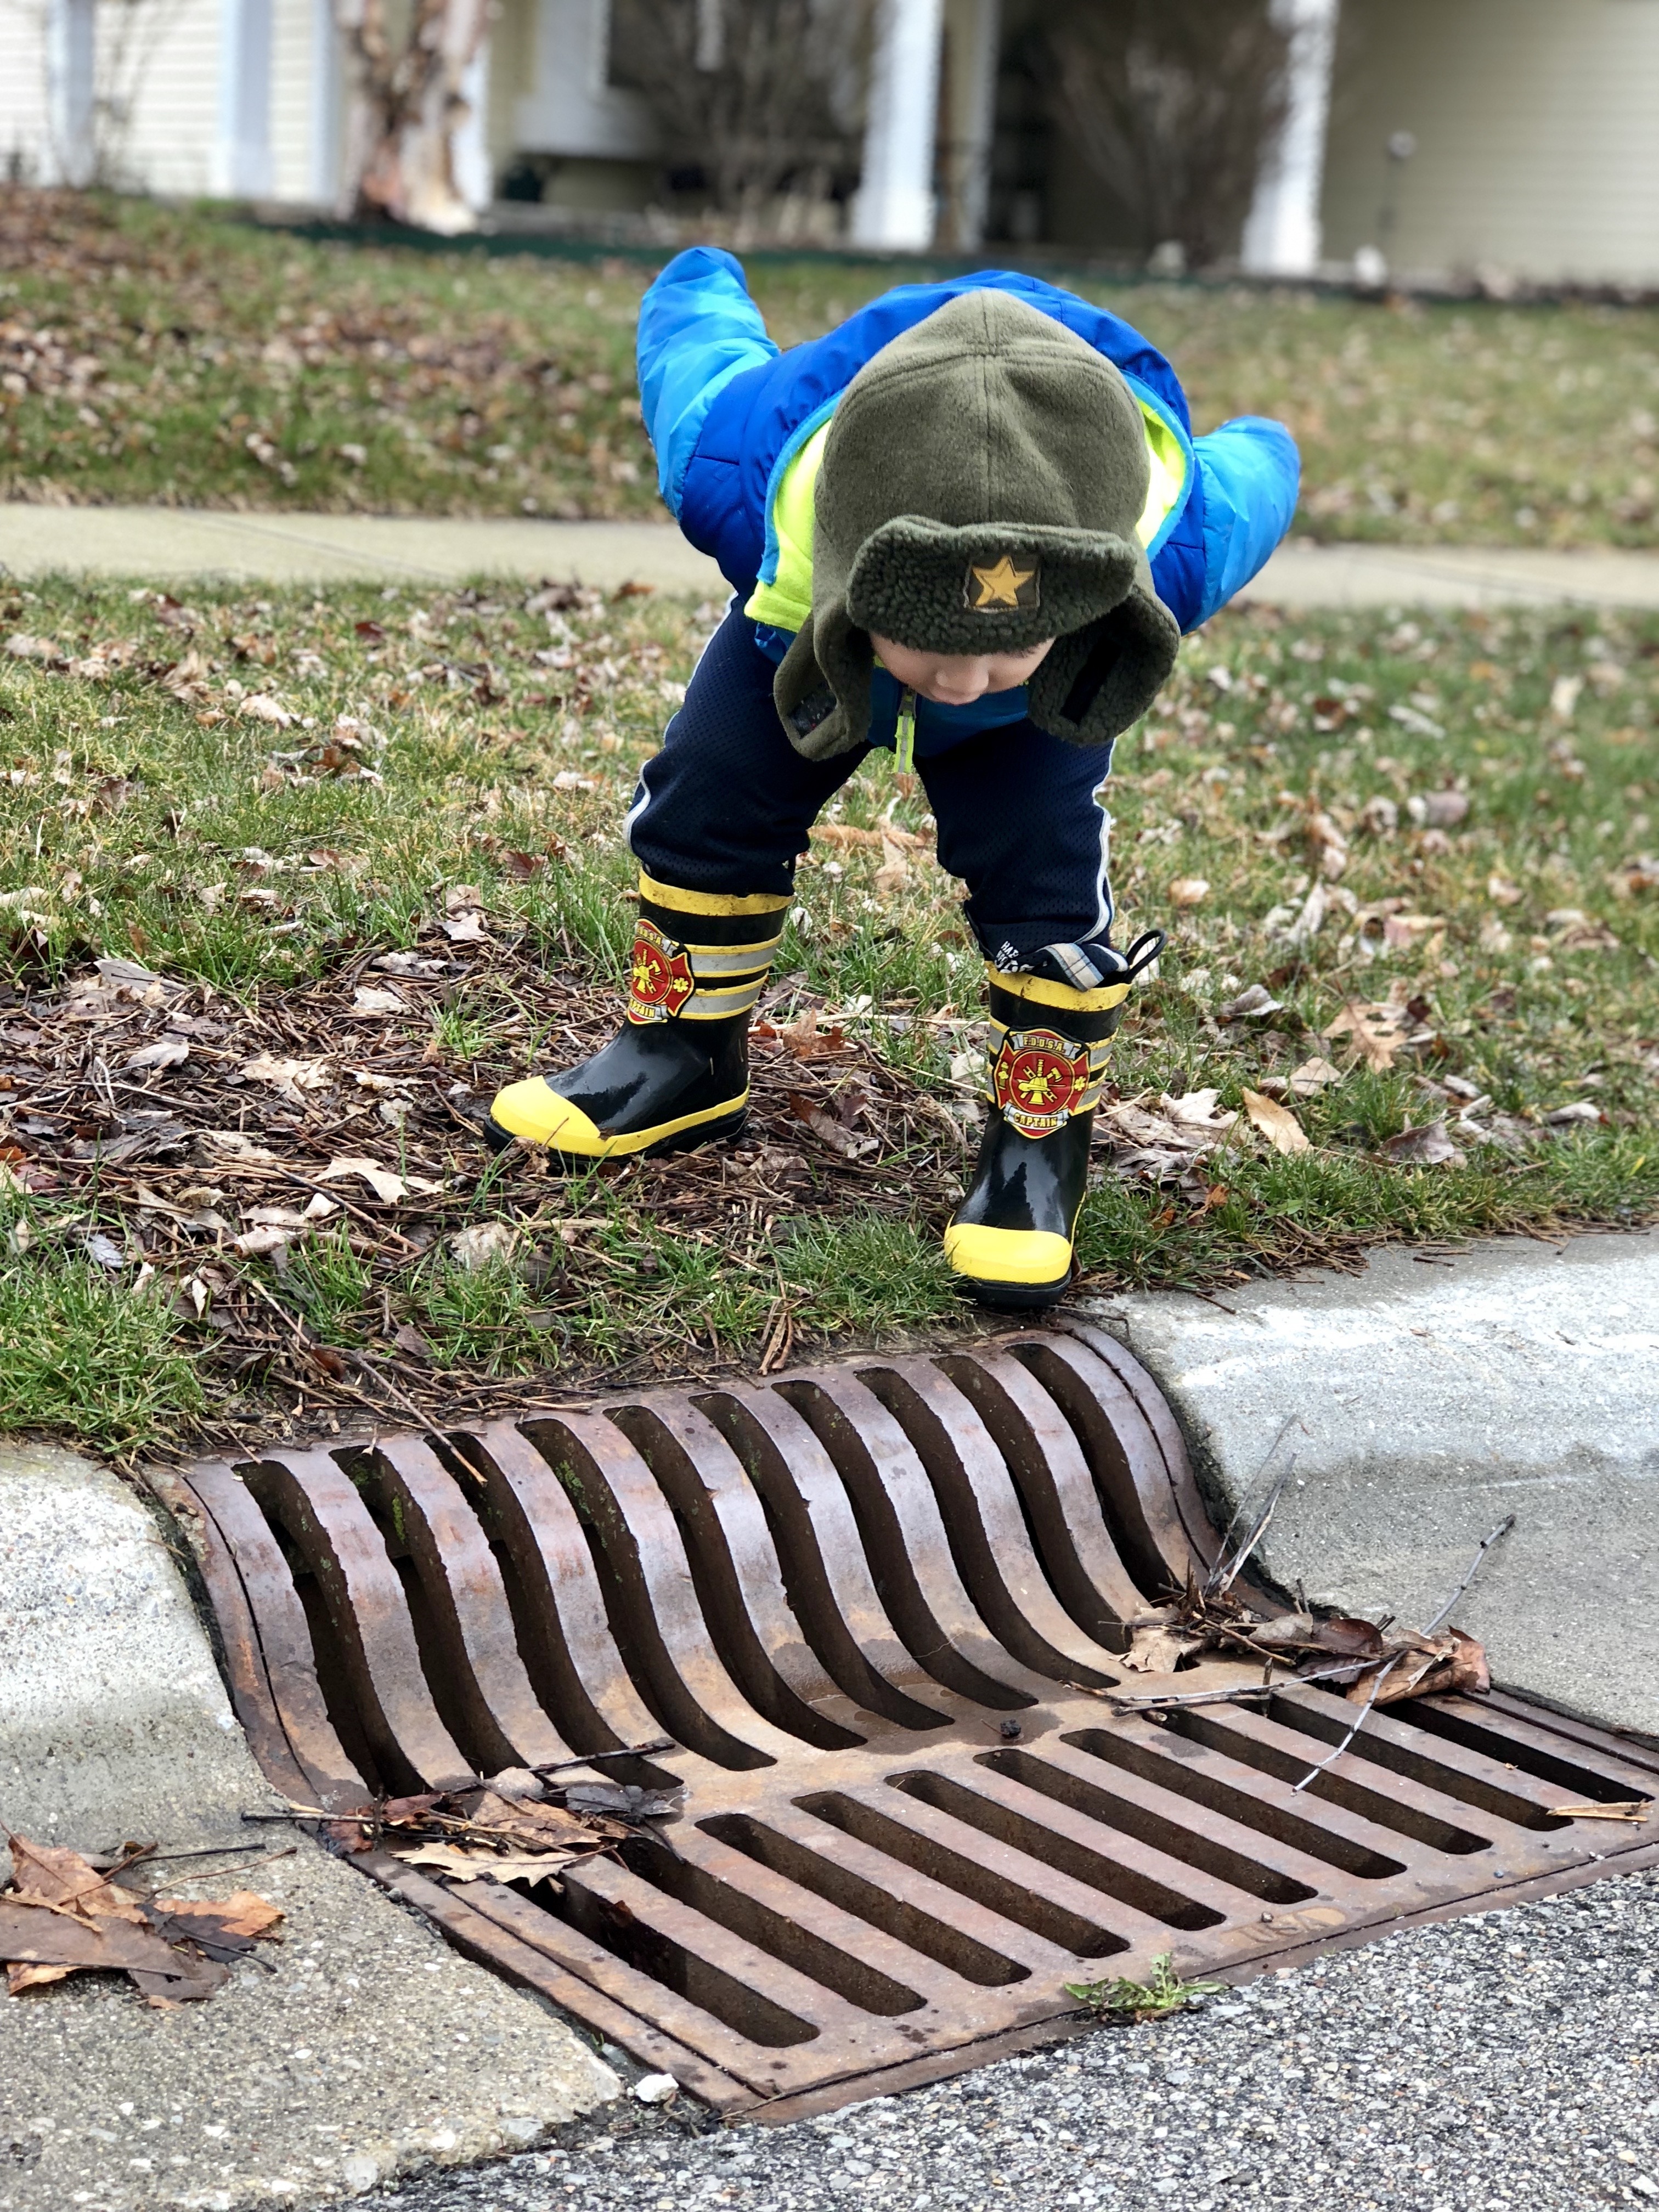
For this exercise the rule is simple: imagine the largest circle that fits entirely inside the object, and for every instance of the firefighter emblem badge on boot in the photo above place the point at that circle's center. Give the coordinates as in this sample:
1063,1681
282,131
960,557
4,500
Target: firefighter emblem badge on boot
660,979
1039,1080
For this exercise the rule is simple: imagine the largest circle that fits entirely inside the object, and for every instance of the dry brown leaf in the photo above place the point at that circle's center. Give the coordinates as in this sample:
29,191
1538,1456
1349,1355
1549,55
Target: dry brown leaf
1277,1123
483,1242
1377,1031
1188,890
1428,1147
893,873
290,1078
844,833
52,1875
243,1913
465,1862
1154,1650
386,1187
830,1132
1313,1076
1197,1110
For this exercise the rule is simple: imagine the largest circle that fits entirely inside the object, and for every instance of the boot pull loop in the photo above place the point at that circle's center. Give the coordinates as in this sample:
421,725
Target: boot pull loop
1145,950
904,734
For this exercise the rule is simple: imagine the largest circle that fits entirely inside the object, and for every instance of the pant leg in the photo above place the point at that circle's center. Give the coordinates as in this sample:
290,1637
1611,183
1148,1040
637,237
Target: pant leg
726,804
1023,822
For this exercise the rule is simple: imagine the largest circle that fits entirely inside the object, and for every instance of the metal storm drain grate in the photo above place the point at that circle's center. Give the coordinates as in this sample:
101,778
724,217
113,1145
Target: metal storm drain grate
870,1603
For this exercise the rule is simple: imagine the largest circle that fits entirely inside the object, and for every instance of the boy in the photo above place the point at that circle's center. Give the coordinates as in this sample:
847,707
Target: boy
969,524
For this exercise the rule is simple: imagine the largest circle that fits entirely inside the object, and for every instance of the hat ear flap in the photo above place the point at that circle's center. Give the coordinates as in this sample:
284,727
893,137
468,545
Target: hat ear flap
1092,684
822,688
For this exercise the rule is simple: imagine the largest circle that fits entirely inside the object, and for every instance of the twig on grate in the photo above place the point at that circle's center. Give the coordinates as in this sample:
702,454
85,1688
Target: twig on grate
1226,1570
1484,1546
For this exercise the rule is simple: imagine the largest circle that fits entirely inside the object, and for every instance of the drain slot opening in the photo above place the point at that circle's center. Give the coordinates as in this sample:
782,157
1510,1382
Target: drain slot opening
1335,1788
649,1951
907,1923
1187,1779
980,1884
774,1932
1582,1784
1473,1789
1188,1844
1004,1826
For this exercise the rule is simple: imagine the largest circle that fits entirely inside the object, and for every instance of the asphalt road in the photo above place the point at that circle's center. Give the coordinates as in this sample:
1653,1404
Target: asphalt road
1498,2063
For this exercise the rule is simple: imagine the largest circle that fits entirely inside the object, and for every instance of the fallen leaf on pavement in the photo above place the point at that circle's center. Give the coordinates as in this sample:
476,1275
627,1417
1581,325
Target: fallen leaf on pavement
1277,1123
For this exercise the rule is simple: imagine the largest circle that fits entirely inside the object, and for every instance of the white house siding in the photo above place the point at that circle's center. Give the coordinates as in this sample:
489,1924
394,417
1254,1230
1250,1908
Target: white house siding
173,143
23,146
1537,131
296,107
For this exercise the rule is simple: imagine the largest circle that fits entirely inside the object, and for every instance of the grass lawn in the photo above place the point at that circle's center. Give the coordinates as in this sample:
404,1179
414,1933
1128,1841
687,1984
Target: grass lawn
155,355
350,861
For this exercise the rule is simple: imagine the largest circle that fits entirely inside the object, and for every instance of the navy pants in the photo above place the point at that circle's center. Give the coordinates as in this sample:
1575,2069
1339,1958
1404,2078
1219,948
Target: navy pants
727,804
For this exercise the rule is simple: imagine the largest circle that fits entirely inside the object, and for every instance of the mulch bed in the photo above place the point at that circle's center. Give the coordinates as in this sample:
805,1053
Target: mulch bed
179,1138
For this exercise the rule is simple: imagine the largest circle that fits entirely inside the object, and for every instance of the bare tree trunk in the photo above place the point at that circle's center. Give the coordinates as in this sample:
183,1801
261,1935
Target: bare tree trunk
1172,104
406,108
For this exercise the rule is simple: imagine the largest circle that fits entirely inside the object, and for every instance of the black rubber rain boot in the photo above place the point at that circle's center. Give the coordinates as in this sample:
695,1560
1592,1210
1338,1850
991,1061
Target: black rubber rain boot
677,1073
1009,1241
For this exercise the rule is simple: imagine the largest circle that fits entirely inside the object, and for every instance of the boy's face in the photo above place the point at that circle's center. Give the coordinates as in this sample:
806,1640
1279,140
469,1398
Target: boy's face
957,679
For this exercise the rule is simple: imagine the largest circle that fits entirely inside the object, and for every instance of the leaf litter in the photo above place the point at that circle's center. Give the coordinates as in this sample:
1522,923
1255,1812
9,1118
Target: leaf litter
62,1913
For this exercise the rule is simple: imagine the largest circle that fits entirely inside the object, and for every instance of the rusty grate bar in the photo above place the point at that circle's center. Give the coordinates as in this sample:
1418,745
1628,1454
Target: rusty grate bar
870,1603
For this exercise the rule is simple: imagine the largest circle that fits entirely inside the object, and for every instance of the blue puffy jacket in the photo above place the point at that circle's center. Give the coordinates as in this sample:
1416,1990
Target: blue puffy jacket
727,412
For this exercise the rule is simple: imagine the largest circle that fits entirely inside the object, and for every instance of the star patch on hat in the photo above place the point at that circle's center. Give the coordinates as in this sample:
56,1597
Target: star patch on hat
1000,585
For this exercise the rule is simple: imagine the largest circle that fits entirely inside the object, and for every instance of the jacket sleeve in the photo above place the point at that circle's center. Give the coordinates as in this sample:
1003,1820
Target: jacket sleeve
698,328
1250,472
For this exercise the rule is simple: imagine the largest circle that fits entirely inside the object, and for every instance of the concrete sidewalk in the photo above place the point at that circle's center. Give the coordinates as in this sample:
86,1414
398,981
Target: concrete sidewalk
173,545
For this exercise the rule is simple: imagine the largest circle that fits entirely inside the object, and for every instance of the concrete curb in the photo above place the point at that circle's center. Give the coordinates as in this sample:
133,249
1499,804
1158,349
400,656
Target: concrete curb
372,2050
1432,1394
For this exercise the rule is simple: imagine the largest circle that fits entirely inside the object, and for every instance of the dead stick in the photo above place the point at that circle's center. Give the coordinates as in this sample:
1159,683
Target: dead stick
1484,1546
1223,1575
1382,1675
1481,1550
216,1874
1215,1697
627,1751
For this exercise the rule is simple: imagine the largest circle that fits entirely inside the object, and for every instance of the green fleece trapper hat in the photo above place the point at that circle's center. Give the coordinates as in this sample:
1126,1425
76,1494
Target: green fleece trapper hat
981,487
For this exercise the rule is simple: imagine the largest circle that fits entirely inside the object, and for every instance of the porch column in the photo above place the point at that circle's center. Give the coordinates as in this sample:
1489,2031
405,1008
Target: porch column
894,209
71,71
1282,234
